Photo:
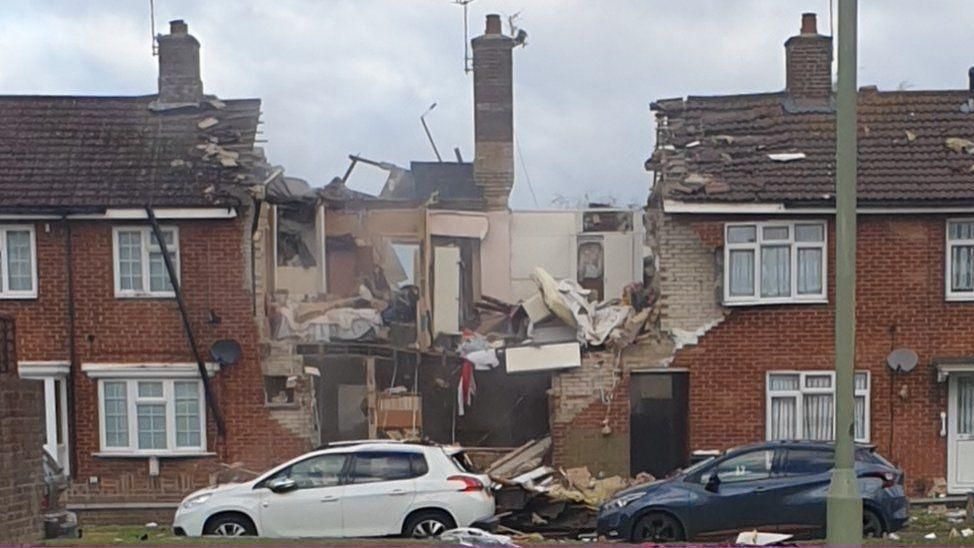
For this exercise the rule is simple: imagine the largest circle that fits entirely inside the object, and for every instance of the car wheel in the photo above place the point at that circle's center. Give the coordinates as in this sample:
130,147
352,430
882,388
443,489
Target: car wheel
872,526
657,527
230,526
428,524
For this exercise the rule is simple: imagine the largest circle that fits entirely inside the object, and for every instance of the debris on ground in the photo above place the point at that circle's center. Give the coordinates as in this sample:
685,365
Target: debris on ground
472,536
758,538
534,498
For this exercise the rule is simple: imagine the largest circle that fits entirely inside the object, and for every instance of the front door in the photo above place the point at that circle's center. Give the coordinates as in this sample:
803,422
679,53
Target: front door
960,433
658,422
313,509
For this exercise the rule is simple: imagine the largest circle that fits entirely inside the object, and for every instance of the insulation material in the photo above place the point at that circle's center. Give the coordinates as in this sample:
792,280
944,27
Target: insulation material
521,359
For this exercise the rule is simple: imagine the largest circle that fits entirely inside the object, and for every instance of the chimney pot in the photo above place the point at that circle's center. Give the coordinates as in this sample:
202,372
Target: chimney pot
178,26
809,24
493,24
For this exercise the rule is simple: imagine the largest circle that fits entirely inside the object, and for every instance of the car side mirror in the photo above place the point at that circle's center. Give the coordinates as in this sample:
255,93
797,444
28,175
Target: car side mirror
282,485
713,483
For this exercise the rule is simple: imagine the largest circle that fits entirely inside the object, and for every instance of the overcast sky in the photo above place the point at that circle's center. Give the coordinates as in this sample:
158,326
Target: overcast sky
353,76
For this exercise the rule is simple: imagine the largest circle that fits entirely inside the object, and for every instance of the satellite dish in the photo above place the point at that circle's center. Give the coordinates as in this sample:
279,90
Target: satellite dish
902,359
226,352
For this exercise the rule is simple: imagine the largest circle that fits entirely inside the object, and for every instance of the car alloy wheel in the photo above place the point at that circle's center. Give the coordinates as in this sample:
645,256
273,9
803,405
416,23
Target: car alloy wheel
657,528
428,528
230,529
872,527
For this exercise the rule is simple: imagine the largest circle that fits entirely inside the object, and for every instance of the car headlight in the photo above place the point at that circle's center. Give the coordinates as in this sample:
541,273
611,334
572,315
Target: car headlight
196,501
622,501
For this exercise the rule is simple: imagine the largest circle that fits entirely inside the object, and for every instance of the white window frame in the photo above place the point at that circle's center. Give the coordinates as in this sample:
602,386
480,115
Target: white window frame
146,239
132,399
949,244
794,246
802,391
5,291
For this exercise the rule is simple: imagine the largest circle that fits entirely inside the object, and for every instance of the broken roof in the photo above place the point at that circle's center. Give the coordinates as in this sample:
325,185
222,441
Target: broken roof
62,153
915,147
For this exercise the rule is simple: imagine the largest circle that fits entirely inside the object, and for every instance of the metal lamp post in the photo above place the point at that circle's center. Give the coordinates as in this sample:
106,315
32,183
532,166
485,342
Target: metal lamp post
844,515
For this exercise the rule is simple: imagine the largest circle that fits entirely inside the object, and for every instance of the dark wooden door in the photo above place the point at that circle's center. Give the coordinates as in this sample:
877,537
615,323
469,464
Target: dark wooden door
658,433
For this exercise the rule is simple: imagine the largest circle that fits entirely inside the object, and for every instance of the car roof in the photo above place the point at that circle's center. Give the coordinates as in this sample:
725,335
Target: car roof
794,444
374,445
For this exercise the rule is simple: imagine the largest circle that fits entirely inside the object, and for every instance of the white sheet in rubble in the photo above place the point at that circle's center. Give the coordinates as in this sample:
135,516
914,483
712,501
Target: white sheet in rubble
569,302
471,536
483,360
757,538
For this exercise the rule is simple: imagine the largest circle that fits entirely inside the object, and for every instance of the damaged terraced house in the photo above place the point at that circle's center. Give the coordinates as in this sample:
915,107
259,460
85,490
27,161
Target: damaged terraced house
742,222
433,310
125,237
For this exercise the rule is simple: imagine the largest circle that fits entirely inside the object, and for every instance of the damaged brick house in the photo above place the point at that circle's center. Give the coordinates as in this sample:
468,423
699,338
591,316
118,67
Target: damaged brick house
374,302
86,280
742,221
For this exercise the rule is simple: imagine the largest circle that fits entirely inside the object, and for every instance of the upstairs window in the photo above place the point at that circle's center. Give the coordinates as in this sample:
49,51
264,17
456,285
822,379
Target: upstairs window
140,270
774,262
960,260
18,262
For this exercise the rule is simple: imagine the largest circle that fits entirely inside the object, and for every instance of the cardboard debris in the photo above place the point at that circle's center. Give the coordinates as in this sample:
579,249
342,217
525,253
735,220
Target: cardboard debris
207,123
522,459
911,136
960,145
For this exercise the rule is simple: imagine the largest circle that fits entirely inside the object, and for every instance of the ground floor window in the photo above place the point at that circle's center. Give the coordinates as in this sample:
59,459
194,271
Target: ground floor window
801,405
151,416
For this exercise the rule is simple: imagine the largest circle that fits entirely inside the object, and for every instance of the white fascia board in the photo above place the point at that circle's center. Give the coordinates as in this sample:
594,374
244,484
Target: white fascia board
42,369
135,214
676,206
146,370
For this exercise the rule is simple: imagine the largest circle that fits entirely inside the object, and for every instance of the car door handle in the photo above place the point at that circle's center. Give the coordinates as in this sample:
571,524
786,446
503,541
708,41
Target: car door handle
397,492
759,489
329,499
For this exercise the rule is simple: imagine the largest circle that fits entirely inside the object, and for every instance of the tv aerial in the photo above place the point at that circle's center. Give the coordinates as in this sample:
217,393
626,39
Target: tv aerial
467,60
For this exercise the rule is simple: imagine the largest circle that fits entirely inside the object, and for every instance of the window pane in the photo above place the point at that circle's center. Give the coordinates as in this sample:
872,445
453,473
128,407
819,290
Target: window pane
747,467
150,389
809,271
961,231
783,382
373,467
741,234
818,421
775,275
818,381
961,268
965,405
19,276
862,381
158,275
784,418
130,260
806,462
809,233
320,471
167,235
741,272
187,396
775,233
116,415
152,425
860,418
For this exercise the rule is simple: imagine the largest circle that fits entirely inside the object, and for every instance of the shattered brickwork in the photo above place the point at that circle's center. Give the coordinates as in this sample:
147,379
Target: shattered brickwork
900,303
21,467
111,330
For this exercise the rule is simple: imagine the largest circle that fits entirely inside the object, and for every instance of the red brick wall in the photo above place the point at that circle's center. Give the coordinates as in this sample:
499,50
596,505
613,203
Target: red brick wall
21,468
900,303
213,268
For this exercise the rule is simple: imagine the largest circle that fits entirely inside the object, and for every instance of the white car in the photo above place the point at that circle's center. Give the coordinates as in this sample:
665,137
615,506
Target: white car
361,490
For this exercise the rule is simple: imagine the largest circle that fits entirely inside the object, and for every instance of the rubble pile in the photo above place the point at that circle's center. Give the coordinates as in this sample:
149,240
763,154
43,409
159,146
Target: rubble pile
534,498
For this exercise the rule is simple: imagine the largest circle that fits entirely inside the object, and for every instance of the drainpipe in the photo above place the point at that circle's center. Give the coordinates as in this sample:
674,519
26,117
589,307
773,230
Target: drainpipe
72,347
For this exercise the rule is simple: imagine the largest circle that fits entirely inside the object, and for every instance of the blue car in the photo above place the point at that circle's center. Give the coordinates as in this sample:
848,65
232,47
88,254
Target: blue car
777,486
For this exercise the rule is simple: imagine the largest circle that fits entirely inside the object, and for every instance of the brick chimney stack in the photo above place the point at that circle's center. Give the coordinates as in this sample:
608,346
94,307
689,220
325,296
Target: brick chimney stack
808,64
493,97
179,65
